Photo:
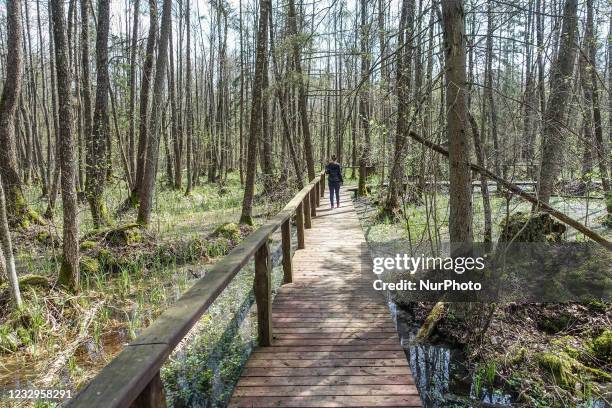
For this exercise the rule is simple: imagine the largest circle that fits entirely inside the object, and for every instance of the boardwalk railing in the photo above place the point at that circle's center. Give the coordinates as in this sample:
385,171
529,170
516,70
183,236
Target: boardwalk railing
132,378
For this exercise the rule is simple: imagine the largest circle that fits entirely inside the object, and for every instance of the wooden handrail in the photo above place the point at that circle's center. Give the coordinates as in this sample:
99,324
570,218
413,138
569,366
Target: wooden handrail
132,377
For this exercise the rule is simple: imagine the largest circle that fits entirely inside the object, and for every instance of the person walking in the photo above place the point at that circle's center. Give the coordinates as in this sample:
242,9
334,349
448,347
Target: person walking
334,180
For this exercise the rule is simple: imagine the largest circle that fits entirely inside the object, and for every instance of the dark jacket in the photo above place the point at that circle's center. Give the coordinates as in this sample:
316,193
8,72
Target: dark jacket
334,172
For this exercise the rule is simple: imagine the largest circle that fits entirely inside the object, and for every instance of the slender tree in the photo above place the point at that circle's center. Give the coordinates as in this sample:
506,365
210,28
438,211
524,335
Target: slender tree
553,132
69,271
16,202
145,92
150,169
7,261
97,148
460,200
255,127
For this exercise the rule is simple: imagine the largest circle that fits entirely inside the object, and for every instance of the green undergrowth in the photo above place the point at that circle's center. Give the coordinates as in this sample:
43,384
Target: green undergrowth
204,372
128,277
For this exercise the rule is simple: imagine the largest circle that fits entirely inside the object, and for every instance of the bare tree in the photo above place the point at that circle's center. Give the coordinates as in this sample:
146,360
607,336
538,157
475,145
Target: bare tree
69,271
553,132
7,261
16,201
460,217
148,183
97,148
255,126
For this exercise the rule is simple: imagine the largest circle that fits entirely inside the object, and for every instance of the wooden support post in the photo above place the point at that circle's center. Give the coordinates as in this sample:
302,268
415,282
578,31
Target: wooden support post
299,221
152,396
263,294
307,214
313,201
287,264
322,185
315,192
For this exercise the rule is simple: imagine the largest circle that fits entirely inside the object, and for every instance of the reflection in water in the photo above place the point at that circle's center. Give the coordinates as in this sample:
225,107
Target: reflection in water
440,373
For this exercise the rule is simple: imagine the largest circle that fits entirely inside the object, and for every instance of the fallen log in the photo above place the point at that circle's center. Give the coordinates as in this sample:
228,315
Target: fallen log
522,193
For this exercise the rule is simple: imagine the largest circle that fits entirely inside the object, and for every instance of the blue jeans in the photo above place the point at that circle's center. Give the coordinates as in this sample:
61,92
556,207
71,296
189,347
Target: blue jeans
334,189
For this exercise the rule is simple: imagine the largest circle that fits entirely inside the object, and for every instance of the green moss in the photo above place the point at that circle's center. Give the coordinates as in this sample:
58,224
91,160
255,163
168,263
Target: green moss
602,346
89,265
426,330
530,227
560,366
228,230
517,355
88,245
33,280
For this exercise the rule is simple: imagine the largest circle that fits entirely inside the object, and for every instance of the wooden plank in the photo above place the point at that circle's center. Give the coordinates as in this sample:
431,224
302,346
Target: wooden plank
322,371
371,346
339,362
263,294
322,390
329,401
286,244
299,222
152,396
328,380
307,213
319,355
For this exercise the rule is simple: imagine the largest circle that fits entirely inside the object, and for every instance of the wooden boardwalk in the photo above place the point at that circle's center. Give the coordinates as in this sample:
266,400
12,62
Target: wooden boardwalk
335,344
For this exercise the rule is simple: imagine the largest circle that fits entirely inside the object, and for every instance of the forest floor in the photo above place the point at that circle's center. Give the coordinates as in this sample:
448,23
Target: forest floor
542,355
128,277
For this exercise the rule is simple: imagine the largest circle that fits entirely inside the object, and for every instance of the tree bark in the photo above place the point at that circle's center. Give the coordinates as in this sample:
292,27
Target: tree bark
255,127
69,271
460,217
302,95
17,205
7,261
145,92
150,169
404,58
97,148
364,99
553,134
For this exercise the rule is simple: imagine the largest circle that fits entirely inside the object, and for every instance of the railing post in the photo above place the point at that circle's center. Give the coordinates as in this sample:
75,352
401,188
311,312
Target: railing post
307,213
299,221
287,264
322,185
263,294
313,201
315,192
152,396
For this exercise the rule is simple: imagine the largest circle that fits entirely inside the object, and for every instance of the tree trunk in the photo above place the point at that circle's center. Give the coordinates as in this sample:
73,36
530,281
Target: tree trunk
404,58
145,92
364,96
17,205
553,132
460,217
148,185
302,95
132,109
7,261
255,127
97,148
69,271
601,152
